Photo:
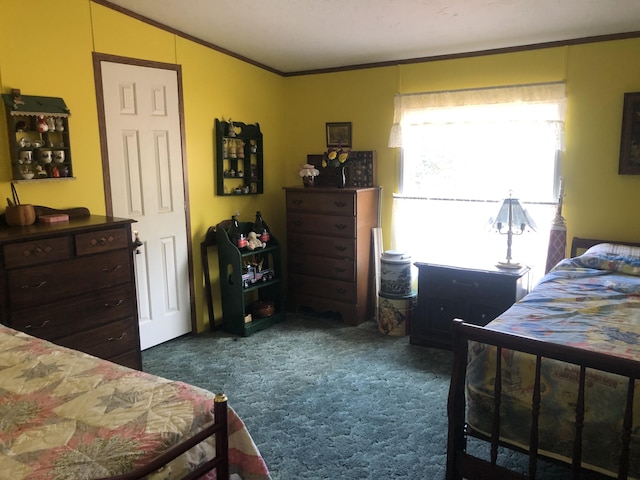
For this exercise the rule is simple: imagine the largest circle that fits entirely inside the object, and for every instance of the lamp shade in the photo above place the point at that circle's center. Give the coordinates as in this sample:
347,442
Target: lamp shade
512,219
512,214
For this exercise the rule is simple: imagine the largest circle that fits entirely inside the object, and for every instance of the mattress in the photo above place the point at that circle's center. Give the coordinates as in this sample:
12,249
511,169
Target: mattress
67,415
590,302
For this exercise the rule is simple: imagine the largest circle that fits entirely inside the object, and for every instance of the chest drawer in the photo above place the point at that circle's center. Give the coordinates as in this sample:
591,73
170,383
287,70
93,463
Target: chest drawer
324,202
322,246
85,312
459,284
36,252
338,268
101,241
323,287
50,282
327,225
107,341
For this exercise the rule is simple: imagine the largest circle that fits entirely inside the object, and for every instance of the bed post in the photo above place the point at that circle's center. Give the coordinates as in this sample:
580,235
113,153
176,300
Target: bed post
222,436
456,441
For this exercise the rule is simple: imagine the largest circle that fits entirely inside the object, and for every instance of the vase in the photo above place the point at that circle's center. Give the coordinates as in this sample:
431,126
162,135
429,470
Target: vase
342,180
308,180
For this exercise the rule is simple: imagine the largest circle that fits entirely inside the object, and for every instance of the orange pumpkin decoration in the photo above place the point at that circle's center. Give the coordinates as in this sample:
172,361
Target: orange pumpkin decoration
20,215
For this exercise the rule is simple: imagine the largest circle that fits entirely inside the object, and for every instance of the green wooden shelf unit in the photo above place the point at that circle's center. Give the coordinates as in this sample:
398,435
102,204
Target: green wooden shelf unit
238,296
239,159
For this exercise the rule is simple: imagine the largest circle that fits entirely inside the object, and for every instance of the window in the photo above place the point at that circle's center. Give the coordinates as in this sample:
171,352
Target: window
463,152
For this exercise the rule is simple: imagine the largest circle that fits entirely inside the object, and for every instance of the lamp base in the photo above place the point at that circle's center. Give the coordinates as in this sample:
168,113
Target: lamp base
509,265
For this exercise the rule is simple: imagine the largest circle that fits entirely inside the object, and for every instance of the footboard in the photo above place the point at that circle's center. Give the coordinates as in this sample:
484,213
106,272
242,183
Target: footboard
220,463
461,464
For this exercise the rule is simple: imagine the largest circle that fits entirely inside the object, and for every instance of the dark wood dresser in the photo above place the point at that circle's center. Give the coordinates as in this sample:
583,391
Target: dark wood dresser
474,294
329,249
73,284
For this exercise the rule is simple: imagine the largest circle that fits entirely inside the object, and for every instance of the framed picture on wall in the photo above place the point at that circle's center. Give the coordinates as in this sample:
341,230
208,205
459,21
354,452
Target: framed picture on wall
339,134
630,138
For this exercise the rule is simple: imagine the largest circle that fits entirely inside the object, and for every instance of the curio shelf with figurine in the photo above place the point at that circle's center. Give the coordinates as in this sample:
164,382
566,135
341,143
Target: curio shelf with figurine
239,158
39,140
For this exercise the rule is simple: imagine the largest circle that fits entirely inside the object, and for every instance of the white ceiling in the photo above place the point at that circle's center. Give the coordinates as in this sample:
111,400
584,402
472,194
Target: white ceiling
301,35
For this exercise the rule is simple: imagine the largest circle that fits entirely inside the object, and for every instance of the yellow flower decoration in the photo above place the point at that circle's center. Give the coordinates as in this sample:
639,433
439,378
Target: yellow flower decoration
343,157
332,155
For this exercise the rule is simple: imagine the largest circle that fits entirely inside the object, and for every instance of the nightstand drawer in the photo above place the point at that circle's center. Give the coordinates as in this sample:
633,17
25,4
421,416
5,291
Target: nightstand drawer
483,314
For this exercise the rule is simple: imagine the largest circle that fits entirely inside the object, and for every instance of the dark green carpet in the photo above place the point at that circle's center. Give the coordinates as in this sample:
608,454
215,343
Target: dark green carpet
323,400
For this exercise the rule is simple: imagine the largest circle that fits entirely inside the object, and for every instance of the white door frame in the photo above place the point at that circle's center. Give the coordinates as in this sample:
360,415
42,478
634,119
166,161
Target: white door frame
97,71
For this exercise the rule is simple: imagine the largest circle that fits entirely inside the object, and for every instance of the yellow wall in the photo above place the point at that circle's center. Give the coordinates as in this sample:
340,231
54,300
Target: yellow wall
292,113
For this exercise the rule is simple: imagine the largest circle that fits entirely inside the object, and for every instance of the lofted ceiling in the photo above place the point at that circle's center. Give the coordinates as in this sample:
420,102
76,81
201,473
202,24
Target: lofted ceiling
294,36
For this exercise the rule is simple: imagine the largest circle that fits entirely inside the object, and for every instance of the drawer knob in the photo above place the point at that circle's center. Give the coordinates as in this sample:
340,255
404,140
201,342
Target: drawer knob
117,304
339,204
296,202
340,226
297,223
39,285
112,269
341,291
27,327
102,241
112,339
464,284
340,248
340,269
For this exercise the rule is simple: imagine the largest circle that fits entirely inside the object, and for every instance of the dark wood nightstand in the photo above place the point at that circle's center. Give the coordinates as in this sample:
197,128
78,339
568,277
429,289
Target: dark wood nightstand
476,295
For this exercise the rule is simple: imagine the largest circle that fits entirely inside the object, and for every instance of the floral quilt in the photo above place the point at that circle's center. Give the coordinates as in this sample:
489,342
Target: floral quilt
68,415
590,302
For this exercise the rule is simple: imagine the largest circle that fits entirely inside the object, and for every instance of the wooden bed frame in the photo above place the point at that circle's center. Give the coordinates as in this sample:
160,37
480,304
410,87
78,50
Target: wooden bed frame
219,463
461,464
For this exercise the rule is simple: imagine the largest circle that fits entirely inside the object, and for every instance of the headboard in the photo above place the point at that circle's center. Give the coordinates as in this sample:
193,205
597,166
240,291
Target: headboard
580,245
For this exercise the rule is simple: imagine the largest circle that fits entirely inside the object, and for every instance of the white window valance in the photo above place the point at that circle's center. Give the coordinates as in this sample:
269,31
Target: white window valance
482,104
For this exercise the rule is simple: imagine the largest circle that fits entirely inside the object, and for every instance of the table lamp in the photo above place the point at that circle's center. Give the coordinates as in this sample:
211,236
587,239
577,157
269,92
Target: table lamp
512,219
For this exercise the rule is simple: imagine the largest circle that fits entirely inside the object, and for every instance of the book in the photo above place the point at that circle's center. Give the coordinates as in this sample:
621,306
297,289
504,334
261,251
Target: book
54,218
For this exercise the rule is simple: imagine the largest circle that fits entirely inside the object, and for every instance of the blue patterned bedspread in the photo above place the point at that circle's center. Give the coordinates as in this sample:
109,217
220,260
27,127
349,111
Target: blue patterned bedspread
590,302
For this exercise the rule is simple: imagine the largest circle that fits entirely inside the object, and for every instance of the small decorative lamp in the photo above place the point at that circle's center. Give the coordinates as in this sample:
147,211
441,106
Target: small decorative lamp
308,173
512,219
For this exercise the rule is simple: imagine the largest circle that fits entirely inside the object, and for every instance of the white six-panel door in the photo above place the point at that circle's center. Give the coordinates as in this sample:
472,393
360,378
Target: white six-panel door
145,165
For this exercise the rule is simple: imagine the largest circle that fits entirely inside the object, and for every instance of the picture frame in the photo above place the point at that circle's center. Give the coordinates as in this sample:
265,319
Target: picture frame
339,134
629,163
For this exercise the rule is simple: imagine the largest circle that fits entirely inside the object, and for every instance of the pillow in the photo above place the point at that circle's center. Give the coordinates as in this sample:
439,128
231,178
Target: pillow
615,249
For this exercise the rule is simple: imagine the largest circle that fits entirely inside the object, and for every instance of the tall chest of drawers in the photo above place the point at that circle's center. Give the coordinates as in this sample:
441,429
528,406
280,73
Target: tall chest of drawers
73,284
329,260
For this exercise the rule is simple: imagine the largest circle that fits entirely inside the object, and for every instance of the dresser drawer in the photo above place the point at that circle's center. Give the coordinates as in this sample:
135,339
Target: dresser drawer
84,312
107,341
36,252
322,202
338,268
327,225
466,284
101,241
323,287
322,246
50,282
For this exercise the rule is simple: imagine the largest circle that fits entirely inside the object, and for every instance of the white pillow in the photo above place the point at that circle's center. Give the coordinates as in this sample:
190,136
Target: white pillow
615,249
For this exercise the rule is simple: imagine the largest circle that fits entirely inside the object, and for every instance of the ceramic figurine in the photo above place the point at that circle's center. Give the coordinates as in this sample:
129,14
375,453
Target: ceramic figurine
42,124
